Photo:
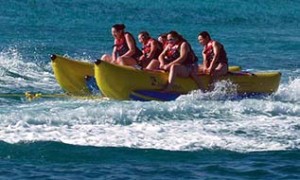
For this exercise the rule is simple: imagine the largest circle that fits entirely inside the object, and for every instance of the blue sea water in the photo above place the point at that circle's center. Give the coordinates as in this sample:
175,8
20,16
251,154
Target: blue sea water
198,136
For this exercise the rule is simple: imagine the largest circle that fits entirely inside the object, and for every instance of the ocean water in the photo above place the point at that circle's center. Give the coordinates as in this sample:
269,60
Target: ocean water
199,136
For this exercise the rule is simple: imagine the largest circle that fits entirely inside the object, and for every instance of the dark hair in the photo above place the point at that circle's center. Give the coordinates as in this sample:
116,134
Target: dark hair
204,34
163,35
145,34
176,35
119,27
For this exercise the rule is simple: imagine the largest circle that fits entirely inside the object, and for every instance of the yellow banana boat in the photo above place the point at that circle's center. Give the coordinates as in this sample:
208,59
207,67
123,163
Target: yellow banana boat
119,82
70,74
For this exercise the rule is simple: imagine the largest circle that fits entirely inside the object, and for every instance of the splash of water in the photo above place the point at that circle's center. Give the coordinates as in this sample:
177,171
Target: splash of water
289,92
17,75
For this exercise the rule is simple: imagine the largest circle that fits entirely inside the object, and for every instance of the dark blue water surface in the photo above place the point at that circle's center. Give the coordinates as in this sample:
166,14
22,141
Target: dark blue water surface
56,160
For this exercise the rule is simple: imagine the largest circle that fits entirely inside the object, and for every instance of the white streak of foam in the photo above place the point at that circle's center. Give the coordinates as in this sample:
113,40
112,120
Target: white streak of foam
185,125
16,74
248,135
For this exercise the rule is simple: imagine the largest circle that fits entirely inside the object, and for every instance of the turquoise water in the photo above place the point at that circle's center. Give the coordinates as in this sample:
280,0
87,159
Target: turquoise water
214,135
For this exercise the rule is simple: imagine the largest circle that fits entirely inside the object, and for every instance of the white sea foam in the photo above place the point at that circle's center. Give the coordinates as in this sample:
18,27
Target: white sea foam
290,91
184,125
18,75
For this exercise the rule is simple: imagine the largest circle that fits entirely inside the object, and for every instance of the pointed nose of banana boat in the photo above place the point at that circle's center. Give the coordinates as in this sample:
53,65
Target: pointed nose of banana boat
53,57
87,77
98,61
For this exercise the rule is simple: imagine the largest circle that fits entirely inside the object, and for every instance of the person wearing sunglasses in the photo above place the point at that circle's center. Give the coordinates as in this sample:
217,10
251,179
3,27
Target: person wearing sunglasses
178,58
125,51
151,48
